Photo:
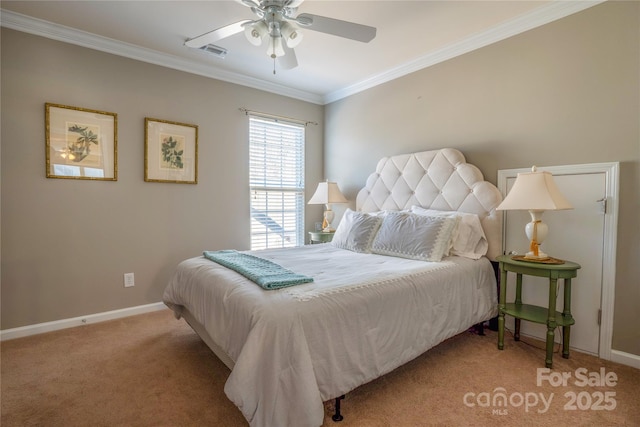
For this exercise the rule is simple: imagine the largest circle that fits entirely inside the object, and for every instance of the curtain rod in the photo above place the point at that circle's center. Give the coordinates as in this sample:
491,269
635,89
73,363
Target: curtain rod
275,117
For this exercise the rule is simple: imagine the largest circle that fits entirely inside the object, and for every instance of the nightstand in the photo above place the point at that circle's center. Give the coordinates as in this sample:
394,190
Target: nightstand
320,237
545,315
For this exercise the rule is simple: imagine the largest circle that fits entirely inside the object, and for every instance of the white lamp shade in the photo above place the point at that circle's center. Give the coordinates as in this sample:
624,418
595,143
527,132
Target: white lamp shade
292,35
275,48
256,32
534,191
327,193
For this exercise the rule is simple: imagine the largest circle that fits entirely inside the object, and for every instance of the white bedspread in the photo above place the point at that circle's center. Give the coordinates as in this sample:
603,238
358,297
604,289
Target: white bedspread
363,316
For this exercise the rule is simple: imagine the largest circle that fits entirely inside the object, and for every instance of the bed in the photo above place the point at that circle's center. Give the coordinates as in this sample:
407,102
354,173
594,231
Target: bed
372,306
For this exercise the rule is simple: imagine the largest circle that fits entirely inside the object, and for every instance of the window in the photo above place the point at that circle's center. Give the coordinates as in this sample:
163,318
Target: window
276,179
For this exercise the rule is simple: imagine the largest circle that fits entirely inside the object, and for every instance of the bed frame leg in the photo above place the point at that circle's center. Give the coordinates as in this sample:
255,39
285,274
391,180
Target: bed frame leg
480,328
338,416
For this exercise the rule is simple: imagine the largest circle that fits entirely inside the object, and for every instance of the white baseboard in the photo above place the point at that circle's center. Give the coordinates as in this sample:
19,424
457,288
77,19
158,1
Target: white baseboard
628,359
25,331
617,356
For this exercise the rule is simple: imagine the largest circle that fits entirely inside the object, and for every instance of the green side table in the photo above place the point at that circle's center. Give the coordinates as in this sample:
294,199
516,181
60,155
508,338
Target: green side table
544,315
320,237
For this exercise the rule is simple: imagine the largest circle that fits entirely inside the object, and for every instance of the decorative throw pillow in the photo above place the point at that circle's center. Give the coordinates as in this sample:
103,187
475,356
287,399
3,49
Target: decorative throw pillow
407,235
356,231
469,240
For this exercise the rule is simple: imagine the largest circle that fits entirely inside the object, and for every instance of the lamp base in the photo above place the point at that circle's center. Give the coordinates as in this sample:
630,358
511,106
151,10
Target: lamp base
540,257
326,222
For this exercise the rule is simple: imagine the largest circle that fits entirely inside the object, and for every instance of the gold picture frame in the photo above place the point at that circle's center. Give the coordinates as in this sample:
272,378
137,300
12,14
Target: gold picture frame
170,151
81,143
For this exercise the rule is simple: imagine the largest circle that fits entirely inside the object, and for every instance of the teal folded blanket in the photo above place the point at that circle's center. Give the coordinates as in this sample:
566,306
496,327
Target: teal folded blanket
265,273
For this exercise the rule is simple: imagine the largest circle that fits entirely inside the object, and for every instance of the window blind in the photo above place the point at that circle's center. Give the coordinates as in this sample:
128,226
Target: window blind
276,169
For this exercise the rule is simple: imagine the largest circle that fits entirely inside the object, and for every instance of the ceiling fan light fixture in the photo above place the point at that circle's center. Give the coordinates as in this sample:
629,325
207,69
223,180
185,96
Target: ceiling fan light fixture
292,35
255,32
278,26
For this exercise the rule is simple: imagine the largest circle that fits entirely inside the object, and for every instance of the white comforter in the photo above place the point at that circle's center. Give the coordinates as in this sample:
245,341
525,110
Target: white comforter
363,316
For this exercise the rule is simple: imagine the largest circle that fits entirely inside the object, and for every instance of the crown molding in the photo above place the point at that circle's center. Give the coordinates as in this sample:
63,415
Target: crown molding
39,27
540,16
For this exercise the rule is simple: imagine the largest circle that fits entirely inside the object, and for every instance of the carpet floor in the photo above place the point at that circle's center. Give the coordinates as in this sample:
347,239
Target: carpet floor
153,370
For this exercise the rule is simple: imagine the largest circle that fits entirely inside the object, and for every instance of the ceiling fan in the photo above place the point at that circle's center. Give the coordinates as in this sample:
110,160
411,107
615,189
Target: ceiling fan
279,29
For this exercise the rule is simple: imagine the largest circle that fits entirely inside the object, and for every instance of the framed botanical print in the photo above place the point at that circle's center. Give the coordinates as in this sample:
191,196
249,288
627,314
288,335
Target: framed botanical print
170,152
81,143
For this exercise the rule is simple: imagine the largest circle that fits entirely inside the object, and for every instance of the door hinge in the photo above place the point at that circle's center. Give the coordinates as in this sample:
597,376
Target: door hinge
599,317
603,204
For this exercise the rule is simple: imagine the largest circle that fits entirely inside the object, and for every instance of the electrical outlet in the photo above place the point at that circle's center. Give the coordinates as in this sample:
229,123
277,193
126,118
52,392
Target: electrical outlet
128,280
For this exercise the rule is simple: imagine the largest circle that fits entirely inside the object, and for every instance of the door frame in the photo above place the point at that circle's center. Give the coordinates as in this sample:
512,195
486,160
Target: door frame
612,188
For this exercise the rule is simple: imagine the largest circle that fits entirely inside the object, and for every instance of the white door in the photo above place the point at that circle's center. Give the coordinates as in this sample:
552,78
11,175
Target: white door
580,235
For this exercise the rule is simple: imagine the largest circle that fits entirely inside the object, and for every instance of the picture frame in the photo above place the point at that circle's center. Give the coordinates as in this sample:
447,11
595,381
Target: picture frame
81,143
170,151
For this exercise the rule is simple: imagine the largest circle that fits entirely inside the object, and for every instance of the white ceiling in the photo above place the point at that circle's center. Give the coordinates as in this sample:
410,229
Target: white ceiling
410,35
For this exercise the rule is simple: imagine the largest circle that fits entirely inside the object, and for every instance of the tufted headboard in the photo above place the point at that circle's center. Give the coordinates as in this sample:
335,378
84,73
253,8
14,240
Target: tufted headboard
438,179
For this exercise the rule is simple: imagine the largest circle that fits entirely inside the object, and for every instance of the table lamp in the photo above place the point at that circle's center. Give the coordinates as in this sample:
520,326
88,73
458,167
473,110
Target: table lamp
535,192
326,194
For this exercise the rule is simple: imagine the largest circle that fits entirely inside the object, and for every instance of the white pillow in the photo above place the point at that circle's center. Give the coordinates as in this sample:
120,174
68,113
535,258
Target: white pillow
469,240
407,235
356,231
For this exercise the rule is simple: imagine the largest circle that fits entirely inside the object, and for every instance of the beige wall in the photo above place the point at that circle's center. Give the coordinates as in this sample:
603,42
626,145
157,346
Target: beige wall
67,243
565,93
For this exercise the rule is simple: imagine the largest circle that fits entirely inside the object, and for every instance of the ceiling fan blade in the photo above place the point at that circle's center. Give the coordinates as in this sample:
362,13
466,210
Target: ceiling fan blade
293,3
249,3
289,60
336,27
215,35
